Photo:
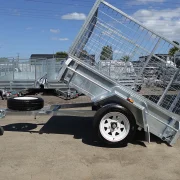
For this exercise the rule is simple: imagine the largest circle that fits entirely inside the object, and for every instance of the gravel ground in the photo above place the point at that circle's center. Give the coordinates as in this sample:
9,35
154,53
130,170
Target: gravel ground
65,150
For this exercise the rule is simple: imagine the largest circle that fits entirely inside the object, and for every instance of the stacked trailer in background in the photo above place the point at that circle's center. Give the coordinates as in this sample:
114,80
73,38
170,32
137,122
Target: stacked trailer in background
30,75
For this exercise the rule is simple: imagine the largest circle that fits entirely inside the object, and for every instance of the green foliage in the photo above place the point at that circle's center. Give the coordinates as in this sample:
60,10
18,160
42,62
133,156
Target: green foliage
61,55
173,50
125,58
106,53
3,59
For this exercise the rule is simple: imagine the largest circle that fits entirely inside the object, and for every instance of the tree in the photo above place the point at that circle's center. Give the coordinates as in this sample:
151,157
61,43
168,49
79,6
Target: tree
106,53
125,59
3,59
61,55
174,49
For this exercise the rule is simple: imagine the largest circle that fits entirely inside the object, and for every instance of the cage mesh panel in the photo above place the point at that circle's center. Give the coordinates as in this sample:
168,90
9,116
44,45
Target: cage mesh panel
132,48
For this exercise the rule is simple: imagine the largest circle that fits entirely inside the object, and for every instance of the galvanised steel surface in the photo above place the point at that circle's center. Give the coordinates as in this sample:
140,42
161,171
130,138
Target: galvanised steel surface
110,34
30,73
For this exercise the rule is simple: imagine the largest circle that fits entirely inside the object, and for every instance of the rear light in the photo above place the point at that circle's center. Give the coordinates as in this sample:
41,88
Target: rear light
130,100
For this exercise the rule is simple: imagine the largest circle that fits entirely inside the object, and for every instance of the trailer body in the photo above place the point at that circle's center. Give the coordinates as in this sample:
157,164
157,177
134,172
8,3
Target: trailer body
110,34
107,34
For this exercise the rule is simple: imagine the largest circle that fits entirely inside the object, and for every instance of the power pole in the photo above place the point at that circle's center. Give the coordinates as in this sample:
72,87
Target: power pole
17,57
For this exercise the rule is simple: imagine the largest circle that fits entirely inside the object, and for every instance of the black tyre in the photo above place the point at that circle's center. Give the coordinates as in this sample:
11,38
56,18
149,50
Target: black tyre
25,103
1,131
114,125
94,108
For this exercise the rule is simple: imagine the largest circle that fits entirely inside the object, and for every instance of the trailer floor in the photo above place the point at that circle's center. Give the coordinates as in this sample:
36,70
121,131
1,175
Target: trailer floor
65,151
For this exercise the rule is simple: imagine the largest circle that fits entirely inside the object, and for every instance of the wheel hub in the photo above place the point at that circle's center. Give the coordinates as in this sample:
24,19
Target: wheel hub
113,125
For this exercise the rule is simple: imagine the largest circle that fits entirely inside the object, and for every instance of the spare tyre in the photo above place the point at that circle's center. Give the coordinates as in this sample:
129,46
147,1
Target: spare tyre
25,103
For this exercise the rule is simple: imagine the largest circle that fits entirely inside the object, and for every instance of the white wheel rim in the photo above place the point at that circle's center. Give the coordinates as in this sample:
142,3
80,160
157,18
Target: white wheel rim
114,126
25,98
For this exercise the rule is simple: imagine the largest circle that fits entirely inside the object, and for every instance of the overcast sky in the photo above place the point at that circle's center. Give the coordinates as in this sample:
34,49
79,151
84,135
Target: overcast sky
47,26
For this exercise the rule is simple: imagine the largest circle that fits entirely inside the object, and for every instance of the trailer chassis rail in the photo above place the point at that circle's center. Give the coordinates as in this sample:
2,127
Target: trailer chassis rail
47,110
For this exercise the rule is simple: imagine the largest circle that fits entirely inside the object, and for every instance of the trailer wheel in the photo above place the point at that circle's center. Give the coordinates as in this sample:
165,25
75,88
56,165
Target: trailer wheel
25,103
114,125
1,131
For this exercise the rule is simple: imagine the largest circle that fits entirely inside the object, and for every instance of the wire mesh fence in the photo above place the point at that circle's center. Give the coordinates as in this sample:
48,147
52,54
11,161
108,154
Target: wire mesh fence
126,51
6,66
25,69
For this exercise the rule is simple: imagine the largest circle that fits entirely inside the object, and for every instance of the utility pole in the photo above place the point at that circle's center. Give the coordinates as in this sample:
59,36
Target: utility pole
17,57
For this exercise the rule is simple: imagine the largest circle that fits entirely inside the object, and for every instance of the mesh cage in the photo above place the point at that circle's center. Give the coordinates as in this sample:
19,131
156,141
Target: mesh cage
131,54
